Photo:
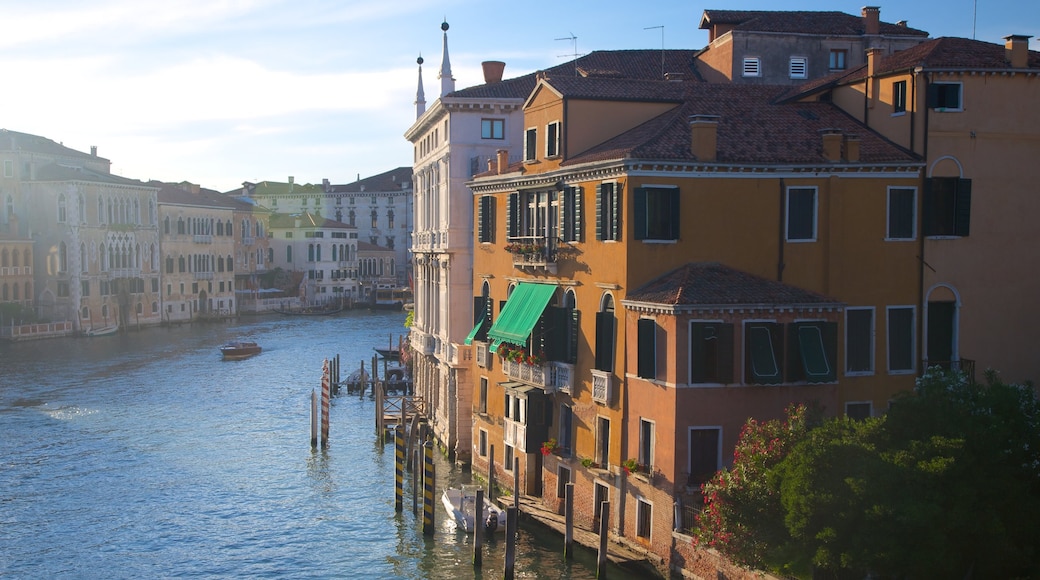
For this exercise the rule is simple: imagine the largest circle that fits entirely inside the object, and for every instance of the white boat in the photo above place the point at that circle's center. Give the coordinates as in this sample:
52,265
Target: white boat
461,504
102,331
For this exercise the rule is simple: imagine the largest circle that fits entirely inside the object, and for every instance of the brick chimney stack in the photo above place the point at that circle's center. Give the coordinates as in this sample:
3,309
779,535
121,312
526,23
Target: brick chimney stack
1017,50
503,160
872,20
493,70
704,133
852,144
832,141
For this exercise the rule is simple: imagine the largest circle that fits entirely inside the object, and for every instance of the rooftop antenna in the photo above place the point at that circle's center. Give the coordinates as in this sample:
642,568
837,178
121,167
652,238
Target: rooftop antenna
974,19
662,45
574,44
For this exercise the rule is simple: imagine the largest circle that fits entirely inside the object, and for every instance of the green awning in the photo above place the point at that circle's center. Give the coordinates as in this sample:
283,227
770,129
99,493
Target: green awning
521,313
473,333
814,355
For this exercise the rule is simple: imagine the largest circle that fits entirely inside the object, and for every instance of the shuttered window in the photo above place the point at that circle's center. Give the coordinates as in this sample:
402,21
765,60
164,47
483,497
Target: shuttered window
646,366
656,213
571,218
711,352
486,219
947,206
812,352
605,341
763,346
608,212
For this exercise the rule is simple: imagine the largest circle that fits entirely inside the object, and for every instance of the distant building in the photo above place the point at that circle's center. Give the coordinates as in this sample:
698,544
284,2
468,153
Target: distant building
95,234
791,47
198,248
324,251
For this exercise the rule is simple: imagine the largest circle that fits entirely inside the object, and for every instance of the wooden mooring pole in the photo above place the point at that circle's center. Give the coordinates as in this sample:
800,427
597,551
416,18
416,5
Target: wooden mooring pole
314,418
601,556
491,474
478,530
568,523
511,514
516,482
416,474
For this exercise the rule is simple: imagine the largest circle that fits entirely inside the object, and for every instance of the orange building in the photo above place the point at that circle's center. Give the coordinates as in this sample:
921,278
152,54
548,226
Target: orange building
792,217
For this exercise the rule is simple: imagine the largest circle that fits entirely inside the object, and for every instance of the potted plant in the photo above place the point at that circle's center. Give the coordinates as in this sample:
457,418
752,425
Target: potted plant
587,463
550,447
630,465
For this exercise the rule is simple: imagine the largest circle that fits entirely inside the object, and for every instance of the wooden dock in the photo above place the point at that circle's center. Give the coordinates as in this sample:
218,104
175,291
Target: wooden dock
617,553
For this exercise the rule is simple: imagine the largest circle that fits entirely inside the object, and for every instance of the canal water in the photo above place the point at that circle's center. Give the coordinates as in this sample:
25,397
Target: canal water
145,455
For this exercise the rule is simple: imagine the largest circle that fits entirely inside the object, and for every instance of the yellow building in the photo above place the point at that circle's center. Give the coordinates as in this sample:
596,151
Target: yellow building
969,108
794,218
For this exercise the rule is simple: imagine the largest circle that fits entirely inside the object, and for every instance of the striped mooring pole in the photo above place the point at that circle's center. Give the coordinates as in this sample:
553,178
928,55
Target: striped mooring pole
325,399
399,468
428,484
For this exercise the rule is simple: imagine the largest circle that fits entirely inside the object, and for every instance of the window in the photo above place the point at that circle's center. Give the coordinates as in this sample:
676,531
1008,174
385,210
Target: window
859,411
8,168
605,323
945,96
62,210
492,129
602,441
763,348
711,352
859,340
899,97
63,289
530,144
534,215
600,495
482,403
838,59
947,206
704,454
84,288
902,211
798,67
752,67
482,443
608,212
507,461
812,351
900,339
288,254
566,426
644,516
552,139
646,444
646,366
486,219
801,214
657,213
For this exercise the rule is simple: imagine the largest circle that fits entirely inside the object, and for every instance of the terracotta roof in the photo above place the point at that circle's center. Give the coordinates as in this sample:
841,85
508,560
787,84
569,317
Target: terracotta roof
394,180
58,172
715,284
617,64
181,194
15,141
801,22
308,220
946,53
753,128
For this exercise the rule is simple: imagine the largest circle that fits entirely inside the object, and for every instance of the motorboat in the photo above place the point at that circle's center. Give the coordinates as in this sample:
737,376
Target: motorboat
238,350
461,503
102,331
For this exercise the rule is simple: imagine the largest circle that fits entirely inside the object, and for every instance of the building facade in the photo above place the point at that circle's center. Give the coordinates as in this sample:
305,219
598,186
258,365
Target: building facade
325,254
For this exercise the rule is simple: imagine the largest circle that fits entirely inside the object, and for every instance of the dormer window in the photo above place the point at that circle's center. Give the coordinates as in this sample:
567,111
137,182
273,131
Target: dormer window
530,144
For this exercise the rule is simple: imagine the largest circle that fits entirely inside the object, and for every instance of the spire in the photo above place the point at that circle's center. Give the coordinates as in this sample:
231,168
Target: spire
447,82
420,98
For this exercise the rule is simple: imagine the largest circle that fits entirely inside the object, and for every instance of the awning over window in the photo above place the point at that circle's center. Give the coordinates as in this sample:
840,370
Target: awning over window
473,333
521,313
814,355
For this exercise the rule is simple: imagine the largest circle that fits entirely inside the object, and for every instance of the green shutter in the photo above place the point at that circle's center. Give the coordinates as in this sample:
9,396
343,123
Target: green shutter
725,353
576,217
605,341
763,361
673,233
513,215
928,211
572,342
698,331
647,349
615,213
600,198
480,219
639,212
556,332
962,205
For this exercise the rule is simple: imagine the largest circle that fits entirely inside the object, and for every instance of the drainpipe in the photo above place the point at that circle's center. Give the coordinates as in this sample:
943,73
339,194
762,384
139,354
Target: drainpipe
780,236
921,263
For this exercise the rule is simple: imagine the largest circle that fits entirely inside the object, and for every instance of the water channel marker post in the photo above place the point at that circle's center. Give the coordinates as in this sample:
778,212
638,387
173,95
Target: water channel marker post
601,556
568,523
478,529
325,402
428,484
399,468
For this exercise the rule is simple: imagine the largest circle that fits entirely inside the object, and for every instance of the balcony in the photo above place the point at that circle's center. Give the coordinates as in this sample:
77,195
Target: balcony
203,239
203,275
549,377
534,252
248,240
602,386
114,273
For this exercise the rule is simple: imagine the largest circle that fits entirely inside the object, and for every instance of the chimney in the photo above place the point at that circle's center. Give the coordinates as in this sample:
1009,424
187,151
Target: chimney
832,140
491,164
1016,50
93,150
493,70
290,180
871,20
502,156
901,24
852,144
704,131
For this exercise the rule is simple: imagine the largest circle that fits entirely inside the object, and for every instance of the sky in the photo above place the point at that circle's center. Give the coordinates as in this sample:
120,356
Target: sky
217,92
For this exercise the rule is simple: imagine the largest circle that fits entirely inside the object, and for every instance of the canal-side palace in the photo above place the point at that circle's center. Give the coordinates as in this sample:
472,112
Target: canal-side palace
616,261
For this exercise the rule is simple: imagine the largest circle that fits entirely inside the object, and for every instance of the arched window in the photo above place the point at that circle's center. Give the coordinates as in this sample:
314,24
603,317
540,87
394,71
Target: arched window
310,252
181,264
220,264
85,313
63,258
220,228
8,208
318,253
288,254
375,219
227,228
83,258
169,264
155,307
230,265
605,334
28,290
28,259
140,308
180,226
62,210
82,209
14,292
3,295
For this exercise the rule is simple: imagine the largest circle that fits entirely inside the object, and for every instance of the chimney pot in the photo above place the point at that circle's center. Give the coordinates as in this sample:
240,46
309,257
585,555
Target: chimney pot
502,156
493,70
871,20
1016,50
704,136
93,150
832,142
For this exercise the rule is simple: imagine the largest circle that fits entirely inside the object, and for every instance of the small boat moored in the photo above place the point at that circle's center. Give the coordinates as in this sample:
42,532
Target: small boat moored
102,331
461,504
239,350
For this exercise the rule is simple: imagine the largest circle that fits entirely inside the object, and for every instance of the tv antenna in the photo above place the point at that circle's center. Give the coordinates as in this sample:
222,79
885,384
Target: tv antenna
574,55
662,45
